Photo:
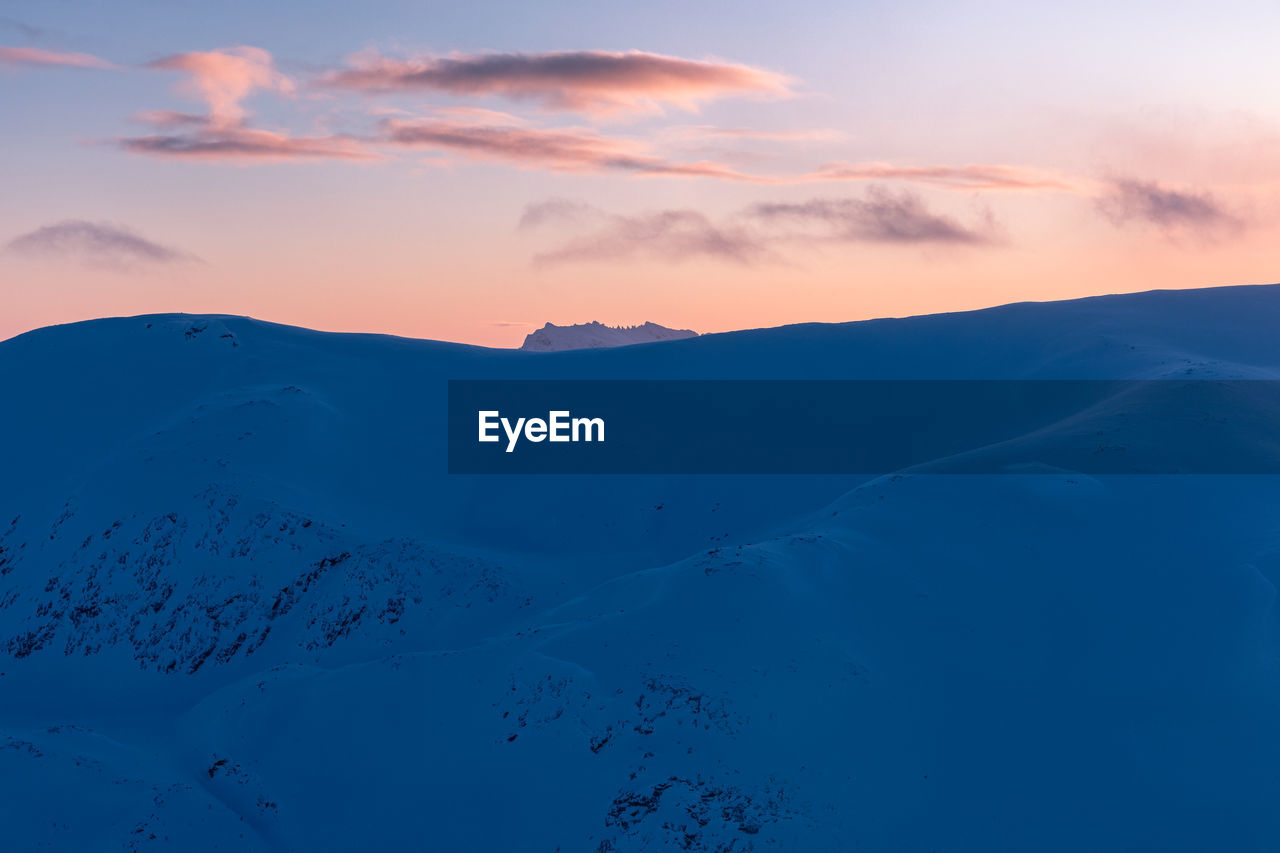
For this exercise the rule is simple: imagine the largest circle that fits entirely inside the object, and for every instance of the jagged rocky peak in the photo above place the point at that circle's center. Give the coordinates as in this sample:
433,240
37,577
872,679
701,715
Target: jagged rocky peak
595,334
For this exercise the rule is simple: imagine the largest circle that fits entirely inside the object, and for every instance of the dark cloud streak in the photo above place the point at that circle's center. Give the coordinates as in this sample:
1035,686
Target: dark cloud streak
563,150
879,217
1169,210
757,234
241,144
582,80
95,244
557,210
669,235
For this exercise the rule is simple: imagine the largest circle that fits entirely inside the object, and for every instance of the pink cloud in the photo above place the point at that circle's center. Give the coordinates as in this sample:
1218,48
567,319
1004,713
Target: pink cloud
225,77
584,150
589,81
561,150
478,115
706,131
967,177
36,56
241,144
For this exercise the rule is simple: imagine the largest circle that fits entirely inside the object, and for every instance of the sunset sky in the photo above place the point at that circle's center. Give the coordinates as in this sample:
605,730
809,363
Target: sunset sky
470,171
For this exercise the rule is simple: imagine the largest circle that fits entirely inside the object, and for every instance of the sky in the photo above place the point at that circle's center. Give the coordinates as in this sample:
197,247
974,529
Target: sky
468,172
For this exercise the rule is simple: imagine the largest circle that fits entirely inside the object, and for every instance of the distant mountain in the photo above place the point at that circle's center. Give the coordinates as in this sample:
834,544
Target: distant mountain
595,335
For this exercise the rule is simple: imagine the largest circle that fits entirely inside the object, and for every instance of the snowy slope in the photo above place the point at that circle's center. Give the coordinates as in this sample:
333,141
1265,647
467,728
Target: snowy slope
594,335
242,606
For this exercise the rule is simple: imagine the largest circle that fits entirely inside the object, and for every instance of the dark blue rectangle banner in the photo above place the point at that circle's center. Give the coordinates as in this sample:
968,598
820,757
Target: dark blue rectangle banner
863,426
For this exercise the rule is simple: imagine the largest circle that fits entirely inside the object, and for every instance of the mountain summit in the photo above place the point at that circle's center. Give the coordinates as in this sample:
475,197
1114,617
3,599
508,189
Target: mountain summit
594,335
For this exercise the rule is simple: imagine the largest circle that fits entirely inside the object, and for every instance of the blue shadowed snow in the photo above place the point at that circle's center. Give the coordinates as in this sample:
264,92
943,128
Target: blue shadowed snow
243,607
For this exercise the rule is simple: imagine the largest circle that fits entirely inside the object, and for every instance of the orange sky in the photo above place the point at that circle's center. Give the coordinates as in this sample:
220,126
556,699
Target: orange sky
477,180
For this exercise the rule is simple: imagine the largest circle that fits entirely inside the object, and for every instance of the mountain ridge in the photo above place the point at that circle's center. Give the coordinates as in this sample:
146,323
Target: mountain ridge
242,600
1235,292
595,335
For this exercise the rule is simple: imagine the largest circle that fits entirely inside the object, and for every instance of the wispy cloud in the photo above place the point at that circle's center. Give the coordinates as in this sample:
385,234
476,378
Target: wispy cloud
967,177
561,149
759,233
1170,210
584,81
95,244
476,115
225,77
578,149
242,144
34,56
880,216
587,81
707,131
668,235
558,210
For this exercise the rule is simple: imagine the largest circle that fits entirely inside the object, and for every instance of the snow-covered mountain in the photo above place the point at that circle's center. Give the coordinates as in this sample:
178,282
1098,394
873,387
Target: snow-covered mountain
244,607
593,335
